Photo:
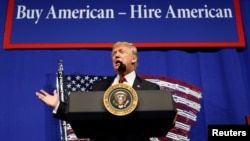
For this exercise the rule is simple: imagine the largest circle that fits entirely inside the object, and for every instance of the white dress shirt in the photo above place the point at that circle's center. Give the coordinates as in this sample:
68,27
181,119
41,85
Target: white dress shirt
129,77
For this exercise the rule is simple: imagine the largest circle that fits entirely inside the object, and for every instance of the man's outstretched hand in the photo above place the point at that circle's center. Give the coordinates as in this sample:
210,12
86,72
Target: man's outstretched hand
48,99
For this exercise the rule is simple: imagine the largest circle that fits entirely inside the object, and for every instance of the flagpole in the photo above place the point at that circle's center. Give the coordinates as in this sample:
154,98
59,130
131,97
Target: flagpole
60,90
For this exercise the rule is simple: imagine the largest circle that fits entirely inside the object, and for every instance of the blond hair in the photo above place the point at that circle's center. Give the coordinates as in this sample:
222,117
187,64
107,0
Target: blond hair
131,46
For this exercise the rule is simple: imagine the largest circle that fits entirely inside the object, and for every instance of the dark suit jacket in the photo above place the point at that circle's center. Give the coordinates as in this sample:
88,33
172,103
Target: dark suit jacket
103,85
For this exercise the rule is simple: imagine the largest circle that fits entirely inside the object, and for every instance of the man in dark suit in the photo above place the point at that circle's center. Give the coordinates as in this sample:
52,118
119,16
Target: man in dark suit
124,61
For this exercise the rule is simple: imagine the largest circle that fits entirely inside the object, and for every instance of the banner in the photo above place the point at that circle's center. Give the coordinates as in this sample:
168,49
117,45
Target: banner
67,24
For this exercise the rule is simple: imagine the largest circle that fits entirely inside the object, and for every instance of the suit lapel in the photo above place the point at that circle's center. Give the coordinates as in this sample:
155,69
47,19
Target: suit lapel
137,83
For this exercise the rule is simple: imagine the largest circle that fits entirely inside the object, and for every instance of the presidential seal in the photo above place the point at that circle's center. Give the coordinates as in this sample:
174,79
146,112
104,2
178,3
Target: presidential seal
120,99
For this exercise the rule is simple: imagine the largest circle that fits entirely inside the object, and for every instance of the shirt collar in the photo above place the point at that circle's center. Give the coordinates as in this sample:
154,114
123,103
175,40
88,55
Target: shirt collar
129,77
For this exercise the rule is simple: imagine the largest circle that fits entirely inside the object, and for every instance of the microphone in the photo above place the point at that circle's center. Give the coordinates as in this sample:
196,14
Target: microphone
122,67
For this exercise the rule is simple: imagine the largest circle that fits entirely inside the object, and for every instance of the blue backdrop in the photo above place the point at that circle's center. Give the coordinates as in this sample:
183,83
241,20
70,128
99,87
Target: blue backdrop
222,74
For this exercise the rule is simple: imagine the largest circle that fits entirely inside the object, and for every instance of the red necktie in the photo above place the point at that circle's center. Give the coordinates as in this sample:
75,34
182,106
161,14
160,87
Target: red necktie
123,79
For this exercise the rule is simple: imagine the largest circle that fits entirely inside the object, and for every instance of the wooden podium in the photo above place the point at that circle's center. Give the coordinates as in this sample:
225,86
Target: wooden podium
154,115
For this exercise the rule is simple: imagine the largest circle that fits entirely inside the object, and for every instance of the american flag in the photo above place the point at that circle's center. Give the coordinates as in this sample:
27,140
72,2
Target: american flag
186,97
